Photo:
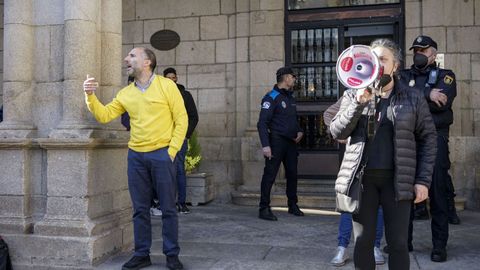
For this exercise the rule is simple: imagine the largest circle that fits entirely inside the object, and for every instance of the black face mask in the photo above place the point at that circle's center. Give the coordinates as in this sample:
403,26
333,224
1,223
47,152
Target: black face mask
420,61
384,80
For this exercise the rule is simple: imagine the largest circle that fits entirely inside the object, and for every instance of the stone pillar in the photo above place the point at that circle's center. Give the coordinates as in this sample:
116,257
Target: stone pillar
81,57
18,76
17,127
65,202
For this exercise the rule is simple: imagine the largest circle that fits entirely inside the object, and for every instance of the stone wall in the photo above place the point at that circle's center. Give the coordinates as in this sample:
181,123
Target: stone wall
227,58
455,25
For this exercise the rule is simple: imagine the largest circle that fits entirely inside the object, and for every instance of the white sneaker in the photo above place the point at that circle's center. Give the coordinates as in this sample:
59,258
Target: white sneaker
340,258
379,259
155,212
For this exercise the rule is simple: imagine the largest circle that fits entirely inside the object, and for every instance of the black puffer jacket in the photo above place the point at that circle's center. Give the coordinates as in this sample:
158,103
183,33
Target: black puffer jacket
415,141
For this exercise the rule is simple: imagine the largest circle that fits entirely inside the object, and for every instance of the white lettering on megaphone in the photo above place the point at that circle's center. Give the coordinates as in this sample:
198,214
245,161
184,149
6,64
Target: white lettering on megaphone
362,55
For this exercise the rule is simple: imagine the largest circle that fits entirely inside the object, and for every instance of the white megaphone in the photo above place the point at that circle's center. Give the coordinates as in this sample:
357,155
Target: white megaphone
358,67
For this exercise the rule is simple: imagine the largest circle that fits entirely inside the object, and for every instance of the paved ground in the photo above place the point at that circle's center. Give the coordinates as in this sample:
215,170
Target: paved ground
221,237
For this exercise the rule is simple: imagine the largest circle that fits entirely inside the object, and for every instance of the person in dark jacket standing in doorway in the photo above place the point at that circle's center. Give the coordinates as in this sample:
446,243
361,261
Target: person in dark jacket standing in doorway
396,131
279,134
439,89
171,73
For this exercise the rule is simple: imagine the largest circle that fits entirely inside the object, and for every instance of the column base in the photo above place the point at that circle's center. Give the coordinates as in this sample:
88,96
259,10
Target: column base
67,244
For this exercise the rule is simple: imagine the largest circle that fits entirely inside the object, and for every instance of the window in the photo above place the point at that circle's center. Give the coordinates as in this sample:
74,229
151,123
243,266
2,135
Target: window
317,48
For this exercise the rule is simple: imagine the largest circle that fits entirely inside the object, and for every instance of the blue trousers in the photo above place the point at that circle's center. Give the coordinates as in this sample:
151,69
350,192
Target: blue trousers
151,172
345,229
181,176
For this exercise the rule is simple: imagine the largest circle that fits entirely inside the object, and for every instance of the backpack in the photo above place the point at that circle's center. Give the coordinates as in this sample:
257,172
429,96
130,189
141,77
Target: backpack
5,263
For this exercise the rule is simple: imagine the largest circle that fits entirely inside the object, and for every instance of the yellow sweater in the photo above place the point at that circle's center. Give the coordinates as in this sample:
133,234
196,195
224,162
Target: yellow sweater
157,116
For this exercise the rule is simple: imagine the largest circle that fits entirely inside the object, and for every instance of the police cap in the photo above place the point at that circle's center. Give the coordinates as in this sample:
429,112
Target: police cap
424,42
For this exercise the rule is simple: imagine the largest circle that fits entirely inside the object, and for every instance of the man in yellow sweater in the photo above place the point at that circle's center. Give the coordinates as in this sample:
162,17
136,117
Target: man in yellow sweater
159,123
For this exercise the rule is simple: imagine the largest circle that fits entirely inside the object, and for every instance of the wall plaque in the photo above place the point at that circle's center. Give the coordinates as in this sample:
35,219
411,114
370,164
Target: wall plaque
165,40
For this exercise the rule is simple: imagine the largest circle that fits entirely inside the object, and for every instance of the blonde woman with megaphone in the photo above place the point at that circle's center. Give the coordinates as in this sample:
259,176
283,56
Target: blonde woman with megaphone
390,150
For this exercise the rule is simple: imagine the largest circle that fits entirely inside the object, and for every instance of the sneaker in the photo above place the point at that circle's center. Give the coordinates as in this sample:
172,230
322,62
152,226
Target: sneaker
155,212
173,263
182,208
379,259
294,210
266,213
340,258
137,262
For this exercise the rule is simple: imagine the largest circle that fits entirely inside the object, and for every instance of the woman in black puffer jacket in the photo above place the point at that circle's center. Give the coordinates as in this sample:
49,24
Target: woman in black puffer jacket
400,157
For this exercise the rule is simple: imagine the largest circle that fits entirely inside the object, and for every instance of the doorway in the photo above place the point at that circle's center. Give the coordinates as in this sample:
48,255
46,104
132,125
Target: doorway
312,48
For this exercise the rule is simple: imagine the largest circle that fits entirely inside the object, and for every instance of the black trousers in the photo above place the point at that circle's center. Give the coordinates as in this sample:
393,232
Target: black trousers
440,192
378,189
284,151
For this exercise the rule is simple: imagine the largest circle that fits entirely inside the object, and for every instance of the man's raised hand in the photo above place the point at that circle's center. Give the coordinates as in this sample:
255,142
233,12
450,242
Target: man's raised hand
90,85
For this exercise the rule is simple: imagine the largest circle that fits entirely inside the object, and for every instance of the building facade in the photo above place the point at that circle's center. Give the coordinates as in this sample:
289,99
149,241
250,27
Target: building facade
65,200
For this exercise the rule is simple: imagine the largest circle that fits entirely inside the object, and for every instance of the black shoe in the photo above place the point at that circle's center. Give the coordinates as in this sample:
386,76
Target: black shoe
173,263
421,214
387,250
453,217
183,209
266,213
293,209
438,255
137,262
454,220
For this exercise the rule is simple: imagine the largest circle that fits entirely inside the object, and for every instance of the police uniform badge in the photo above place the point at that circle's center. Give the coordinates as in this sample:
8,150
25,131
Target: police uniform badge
266,105
448,80
284,105
419,39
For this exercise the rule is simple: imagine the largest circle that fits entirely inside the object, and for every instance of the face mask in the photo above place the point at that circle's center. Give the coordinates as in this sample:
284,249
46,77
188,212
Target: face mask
384,79
420,61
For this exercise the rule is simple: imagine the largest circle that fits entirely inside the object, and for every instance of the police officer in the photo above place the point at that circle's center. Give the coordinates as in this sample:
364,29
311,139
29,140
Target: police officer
439,88
279,133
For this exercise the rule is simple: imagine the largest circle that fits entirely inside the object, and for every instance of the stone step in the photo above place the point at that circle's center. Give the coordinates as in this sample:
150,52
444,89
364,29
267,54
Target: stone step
309,200
312,186
460,203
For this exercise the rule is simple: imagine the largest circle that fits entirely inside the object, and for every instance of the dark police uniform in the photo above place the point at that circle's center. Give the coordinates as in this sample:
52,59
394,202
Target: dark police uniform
441,188
278,128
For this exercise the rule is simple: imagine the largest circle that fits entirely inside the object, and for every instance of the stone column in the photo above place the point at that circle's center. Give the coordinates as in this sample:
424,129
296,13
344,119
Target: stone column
17,127
18,72
77,167
81,47
88,202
